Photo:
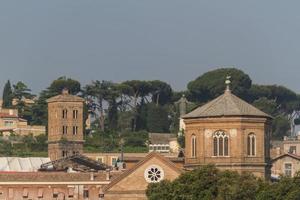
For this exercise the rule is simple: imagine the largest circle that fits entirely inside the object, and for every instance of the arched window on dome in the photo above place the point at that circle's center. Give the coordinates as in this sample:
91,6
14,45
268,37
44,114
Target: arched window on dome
220,143
251,144
194,146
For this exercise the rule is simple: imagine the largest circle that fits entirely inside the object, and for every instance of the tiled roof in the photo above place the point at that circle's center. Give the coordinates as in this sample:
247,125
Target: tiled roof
65,97
226,105
160,138
53,176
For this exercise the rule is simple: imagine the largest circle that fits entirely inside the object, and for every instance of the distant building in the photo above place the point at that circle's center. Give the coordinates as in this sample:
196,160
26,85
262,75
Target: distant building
229,133
10,122
65,125
163,143
286,165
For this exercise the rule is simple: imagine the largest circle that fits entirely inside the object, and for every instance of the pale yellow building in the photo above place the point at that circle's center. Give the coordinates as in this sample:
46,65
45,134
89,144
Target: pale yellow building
10,122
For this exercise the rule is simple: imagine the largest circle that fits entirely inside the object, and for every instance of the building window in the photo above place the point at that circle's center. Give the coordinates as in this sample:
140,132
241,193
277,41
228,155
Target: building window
65,130
114,161
64,113
99,159
251,144
75,130
220,144
288,169
75,114
194,146
85,193
8,123
292,149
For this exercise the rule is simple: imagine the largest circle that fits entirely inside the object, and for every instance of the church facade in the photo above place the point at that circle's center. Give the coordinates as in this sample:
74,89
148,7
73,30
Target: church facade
229,133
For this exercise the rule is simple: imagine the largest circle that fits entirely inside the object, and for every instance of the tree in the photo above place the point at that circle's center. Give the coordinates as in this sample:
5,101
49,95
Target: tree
137,92
280,126
209,183
21,92
266,105
212,84
96,94
7,95
157,118
39,108
161,92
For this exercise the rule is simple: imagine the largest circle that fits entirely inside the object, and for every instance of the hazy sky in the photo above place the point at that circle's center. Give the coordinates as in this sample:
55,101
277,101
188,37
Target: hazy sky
170,40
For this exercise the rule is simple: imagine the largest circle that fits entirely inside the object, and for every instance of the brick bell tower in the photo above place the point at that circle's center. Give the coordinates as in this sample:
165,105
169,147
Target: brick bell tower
65,125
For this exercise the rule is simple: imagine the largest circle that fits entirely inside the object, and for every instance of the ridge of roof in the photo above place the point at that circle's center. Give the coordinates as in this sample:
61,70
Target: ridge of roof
65,98
286,154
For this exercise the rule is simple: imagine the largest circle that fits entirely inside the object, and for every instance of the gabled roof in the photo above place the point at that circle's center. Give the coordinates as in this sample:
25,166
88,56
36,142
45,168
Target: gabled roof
139,164
287,154
65,97
226,105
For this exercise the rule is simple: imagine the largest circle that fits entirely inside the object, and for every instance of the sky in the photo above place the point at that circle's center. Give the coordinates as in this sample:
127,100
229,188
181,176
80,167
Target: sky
170,40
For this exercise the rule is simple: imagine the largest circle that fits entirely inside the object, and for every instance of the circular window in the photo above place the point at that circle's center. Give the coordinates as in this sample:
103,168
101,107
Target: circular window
154,174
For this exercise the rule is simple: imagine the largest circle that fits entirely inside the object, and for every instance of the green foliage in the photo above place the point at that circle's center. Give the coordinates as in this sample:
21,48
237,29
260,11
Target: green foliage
7,96
134,142
209,183
266,105
161,92
212,84
24,146
157,119
281,126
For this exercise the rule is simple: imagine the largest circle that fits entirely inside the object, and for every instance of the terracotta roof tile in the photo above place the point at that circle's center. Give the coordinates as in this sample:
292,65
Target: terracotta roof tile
226,105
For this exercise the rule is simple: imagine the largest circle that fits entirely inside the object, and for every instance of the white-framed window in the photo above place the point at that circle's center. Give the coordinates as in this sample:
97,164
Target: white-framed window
251,144
292,149
100,159
220,143
8,123
194,146
114,161
288,169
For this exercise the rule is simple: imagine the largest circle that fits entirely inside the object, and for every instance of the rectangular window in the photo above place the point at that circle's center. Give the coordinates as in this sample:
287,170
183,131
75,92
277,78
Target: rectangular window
288,169
100,159
85,193
75,130
75,114
64,113
114,161
8,123
292,149
65,130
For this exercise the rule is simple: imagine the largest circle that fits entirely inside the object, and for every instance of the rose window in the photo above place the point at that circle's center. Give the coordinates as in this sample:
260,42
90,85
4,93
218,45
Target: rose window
154,174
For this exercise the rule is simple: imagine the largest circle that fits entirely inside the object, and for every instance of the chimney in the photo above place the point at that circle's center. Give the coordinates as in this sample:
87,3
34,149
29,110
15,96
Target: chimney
278,151
65,91
92,177
107,174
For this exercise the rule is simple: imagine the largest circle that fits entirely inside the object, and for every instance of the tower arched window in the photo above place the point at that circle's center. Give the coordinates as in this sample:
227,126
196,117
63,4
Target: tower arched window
194,146
251,144
220,143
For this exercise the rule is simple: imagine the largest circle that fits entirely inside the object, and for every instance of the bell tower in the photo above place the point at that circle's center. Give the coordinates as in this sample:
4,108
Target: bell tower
65,125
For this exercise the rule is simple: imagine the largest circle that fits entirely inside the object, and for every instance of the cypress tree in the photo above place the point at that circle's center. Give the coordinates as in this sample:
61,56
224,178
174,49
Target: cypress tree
7,95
